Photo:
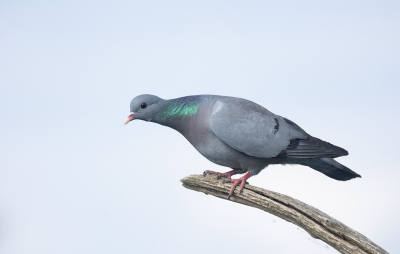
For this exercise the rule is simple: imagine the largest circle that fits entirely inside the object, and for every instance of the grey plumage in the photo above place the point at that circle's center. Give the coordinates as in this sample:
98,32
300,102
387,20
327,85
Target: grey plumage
241,134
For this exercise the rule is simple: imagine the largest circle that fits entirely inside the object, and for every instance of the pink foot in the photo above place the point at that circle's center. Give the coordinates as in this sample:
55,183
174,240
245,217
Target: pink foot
219,175
241,180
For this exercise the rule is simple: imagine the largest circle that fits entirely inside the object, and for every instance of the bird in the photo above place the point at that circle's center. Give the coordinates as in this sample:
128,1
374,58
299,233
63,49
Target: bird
241,135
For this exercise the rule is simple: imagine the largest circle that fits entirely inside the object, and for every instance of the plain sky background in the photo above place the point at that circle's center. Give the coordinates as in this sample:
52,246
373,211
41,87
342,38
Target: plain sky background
74,179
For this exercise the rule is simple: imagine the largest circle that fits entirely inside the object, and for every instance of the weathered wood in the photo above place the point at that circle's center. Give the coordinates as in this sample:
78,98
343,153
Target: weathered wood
318,224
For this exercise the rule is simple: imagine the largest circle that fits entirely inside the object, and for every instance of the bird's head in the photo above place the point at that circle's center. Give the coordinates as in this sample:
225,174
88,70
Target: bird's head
144,107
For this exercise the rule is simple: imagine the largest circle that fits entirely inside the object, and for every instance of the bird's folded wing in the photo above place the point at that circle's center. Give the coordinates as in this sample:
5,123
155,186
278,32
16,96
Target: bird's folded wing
249,128
312,148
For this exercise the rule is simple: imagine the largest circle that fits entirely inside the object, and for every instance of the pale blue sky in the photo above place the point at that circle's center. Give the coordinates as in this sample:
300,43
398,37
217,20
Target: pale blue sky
73,179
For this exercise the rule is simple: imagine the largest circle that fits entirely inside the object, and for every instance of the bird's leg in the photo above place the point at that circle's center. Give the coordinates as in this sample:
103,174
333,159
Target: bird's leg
241,180
219,175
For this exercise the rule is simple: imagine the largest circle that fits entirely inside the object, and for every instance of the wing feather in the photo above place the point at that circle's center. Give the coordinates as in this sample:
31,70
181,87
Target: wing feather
255,131
310,147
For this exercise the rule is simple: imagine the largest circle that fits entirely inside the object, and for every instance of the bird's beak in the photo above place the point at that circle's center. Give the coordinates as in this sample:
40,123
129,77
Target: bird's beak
130,117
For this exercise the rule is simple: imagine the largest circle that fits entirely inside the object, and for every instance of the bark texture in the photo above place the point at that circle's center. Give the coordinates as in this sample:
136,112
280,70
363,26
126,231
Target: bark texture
318,224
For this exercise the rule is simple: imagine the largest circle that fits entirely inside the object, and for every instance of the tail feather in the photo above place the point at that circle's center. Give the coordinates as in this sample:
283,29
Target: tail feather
331,168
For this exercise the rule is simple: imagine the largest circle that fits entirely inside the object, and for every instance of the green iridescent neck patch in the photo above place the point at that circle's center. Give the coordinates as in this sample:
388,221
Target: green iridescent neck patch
181,108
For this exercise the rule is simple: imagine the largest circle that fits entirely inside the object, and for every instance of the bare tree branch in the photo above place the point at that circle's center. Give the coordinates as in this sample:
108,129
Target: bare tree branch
318,224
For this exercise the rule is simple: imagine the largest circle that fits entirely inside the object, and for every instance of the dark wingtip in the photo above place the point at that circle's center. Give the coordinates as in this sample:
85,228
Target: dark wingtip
355,175
344,177
340,151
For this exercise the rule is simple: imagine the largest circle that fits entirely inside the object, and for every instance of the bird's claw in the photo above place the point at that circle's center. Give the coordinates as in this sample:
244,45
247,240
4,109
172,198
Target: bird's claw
241,180
219,175
227,179
230,195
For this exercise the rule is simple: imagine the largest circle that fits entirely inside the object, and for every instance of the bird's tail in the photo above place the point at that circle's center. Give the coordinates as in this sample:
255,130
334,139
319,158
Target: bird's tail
330,167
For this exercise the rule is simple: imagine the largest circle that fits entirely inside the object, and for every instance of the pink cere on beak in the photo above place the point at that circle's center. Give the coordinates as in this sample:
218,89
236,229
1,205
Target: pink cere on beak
129,118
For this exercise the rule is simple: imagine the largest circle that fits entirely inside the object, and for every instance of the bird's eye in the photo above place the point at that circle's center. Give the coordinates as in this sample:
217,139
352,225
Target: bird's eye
144,105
